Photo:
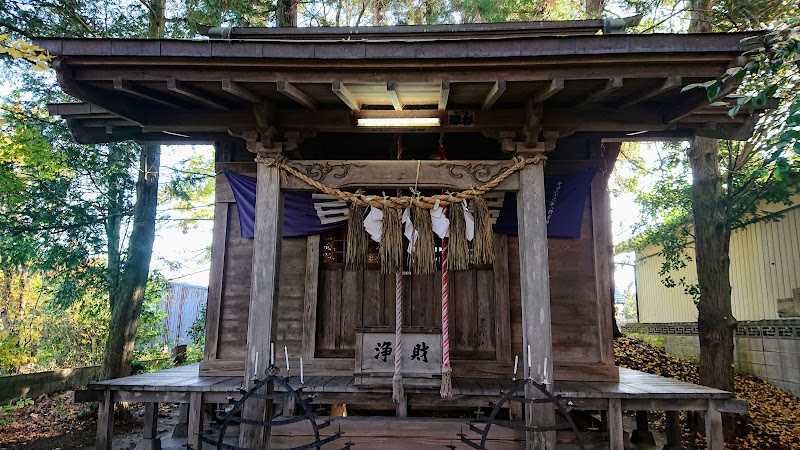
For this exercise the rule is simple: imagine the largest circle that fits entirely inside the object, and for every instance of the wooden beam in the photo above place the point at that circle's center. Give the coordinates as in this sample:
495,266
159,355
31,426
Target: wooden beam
345,95
554,88
669,84
673,431
615,431
105,422
133,110
452,175
611,85
179,87
494,94
263,296
694,99
236,89
195,420
714,436
391,91
535,296
444,95
144,93
289,90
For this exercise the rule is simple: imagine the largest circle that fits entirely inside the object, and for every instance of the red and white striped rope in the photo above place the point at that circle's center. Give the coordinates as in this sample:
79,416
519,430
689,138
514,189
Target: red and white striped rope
445,308
398,306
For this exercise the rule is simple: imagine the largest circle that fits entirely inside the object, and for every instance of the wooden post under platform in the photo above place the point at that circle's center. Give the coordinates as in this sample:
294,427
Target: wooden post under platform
535,294
263,298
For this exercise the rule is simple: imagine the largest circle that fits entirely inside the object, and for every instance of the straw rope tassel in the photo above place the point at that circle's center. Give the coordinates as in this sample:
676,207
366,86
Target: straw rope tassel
357,239
397,379
483,244
459,246
423,255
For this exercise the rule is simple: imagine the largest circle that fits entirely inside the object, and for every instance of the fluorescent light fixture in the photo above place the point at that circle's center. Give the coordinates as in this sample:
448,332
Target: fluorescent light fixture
400,122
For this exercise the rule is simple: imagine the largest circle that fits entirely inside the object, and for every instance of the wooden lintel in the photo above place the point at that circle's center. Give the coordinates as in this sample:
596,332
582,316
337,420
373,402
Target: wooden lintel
144,93
391,91
453,175
613,84
554,88
669,84
237,90
179,87
289,90
494,94
345,95
444,95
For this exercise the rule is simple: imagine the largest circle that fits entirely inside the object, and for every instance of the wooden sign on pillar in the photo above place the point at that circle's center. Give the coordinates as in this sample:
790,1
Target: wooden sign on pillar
535,294
263,297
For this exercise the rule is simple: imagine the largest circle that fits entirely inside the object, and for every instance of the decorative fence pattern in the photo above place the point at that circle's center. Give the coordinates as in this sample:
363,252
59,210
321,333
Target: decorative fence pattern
779,329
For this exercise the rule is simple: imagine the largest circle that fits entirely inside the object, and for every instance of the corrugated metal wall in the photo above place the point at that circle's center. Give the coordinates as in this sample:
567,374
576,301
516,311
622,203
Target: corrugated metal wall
765,266
182,303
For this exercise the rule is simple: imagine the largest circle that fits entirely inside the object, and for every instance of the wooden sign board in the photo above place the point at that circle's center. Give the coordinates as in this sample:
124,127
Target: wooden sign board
421,354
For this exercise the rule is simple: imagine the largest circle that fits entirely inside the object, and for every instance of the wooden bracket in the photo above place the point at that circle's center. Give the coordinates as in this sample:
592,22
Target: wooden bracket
507,138
532,122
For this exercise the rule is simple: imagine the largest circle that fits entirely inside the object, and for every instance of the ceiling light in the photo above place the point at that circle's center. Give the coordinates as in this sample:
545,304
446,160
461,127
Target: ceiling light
400,122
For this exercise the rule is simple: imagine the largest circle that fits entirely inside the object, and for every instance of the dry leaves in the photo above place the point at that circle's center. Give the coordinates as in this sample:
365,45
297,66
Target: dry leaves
774,419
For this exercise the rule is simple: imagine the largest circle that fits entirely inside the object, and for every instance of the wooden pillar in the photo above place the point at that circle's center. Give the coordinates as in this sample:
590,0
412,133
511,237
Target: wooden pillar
615,431
714,437
152,442
263,297
535,294
195,420
105,422
673,430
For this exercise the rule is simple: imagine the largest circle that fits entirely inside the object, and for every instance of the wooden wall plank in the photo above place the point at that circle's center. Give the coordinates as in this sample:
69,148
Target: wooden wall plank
216,277
372,306
310,297
502,284
604,271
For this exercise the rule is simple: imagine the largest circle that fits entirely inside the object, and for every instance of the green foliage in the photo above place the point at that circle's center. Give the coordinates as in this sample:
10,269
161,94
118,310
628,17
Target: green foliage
197,331
21,403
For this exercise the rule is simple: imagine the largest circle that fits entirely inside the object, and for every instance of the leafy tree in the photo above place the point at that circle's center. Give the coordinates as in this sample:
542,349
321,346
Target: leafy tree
731,182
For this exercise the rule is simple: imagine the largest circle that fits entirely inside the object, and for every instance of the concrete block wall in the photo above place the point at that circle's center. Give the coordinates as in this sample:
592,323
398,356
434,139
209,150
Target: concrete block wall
32,385
769,350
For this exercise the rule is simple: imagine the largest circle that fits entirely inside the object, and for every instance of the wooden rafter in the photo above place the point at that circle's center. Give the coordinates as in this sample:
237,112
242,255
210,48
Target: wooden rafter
391,91
611,85
237,90
179,87
289,90
696,99
669,84
444,95
552,89
494,94
345,95
141,92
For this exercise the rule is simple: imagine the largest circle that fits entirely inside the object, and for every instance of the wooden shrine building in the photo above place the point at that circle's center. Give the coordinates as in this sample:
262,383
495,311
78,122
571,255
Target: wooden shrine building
395,112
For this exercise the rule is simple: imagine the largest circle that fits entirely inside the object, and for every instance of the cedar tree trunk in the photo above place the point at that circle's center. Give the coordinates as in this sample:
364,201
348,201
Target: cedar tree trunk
595,8
127,298
712,235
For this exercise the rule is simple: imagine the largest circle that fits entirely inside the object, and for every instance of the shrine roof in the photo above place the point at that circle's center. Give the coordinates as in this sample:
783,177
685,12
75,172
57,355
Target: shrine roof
528,79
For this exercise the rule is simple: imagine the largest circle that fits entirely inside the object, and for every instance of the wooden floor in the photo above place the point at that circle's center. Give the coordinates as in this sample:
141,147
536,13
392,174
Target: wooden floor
632,384
635,391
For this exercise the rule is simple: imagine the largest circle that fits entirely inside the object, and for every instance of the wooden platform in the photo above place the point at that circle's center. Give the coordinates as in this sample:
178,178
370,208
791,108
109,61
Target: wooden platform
636,391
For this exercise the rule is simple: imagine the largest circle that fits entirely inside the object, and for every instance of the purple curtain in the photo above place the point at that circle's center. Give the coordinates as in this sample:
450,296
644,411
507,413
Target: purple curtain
307,213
